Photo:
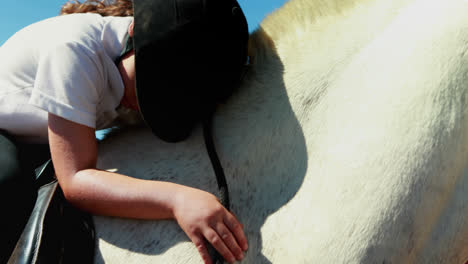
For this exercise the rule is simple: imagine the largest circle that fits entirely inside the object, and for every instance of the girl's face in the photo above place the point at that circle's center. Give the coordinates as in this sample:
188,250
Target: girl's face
127,71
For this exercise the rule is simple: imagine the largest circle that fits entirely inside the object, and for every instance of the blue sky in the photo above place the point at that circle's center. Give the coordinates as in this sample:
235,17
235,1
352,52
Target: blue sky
17,14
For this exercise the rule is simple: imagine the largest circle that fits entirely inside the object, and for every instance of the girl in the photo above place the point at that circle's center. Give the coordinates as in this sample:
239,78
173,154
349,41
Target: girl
64,77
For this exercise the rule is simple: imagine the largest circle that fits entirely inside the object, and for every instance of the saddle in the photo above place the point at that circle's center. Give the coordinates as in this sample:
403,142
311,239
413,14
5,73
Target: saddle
56,232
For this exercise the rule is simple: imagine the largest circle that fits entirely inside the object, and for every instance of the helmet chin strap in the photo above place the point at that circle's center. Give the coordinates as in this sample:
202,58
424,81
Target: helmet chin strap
223,191
217,167
223,194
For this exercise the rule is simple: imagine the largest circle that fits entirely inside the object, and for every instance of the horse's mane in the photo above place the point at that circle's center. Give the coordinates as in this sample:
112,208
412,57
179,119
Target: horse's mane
293,19
300,13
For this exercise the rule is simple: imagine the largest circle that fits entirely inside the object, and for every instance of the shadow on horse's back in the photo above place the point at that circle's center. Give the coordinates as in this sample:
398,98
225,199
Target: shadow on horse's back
347,142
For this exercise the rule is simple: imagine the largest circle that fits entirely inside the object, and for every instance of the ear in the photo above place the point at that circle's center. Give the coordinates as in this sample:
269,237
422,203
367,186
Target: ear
130,29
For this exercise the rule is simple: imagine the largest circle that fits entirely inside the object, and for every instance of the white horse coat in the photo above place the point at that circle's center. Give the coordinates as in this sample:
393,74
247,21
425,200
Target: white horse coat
346,143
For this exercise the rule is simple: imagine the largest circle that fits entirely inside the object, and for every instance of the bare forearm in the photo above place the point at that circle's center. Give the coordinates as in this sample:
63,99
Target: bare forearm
112,194
74,153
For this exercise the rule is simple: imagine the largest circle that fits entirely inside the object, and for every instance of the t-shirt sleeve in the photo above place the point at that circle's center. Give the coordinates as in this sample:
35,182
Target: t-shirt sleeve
68,83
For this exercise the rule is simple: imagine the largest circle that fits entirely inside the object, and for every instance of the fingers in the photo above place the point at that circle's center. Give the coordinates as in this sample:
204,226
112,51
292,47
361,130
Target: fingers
219,245
222,240
229,240
207,221
236,228
201,247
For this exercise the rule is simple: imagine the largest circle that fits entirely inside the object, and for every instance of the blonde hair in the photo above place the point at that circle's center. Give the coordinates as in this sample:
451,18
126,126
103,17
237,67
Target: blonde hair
101,7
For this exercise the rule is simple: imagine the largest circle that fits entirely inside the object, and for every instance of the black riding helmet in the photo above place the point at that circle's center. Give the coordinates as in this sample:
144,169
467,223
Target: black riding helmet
189,55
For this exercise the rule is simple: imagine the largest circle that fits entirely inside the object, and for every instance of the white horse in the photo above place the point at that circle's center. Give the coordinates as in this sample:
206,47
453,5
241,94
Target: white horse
347,142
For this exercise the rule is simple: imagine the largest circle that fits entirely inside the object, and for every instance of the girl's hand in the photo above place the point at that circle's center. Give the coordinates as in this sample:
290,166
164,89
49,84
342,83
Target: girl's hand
201,216
74,152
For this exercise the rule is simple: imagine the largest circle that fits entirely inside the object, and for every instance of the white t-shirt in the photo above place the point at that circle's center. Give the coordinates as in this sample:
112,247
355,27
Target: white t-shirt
65,66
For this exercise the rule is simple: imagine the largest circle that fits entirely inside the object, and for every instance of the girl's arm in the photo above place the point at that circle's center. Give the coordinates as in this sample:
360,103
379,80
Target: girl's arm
200,215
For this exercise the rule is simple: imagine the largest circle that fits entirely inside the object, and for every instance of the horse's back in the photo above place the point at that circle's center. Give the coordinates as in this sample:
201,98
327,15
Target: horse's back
357,153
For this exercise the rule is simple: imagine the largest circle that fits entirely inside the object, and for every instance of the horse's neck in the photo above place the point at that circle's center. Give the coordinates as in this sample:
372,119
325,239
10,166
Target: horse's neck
295,55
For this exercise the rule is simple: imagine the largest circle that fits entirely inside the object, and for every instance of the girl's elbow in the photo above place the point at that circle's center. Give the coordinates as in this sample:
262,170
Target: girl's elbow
70,187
